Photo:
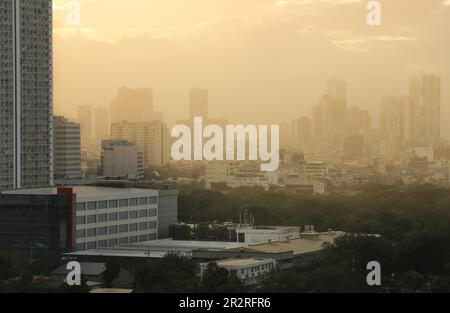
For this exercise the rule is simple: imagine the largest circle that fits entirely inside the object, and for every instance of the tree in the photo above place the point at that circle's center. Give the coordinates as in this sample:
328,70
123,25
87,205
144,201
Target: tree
218,280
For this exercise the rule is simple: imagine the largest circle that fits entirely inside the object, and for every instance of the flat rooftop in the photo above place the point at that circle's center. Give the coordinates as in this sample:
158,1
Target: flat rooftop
81,191
242,262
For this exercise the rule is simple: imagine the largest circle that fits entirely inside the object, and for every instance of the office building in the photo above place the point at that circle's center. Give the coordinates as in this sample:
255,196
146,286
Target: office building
302,130
102,124
86,120
198,103
66,148
121,159
329,119
26,94
132,105
107,217
152,138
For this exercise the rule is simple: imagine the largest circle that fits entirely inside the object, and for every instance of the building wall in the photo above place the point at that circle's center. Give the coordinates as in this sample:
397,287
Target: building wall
121,159
107,221
26,97
66,148
167,211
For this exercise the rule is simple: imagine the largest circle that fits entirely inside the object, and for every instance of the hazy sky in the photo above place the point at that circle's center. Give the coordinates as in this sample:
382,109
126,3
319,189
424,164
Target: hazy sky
262,60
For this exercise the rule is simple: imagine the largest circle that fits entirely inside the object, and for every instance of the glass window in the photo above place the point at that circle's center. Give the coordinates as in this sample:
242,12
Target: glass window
143,201
91,232
81,220
123,203
103,231
123,241
123,216
152,212
152,237
81,233
112,204
133,239
123,228
102,218
81,206
92,206
134,202
142,213
91,245
143,226
143,238
152,200
91,219
113,229
133,215
102,205
133,227
113,216
102,244
112,242
81,246
153,225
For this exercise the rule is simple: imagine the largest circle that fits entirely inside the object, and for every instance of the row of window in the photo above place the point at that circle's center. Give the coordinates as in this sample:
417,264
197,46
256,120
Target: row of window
112,204
115,242
116,216
115,229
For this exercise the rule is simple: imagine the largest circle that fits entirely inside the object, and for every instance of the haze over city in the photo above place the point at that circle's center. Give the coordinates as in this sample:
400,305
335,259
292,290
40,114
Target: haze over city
265,56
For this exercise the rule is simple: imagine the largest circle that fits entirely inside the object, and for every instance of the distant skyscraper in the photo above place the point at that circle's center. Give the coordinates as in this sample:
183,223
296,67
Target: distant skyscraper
329,119
198,103
337,88
302,130
132,105
26,94
356,120
102,124
396,119
152,138
67,148
86,120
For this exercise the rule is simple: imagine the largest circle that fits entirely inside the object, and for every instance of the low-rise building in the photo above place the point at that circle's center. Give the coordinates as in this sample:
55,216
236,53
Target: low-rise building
258,234
121,159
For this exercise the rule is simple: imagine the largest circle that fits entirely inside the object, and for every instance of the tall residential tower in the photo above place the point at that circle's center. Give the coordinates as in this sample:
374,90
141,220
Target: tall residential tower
25,94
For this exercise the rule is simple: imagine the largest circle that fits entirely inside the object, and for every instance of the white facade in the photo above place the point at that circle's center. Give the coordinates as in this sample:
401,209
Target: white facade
122,159
261,234
249,271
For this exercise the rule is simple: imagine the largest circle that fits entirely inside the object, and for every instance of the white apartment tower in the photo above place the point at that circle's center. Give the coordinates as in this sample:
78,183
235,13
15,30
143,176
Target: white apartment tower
26,94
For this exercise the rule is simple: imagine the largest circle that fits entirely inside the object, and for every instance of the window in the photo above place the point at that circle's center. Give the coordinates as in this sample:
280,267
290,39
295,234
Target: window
153,225
91,232
152,213
112,216
143,238
102,218
81,206
91,245
133,215
112,242
81,233
123,216
112,204
134,202
123,203
123,229
133,227
81,246
103,231
113,229
152,200
133,239
143,226
123,241
91,219
92,206
143,201
142,213
81,220
152,237
102,244
102,205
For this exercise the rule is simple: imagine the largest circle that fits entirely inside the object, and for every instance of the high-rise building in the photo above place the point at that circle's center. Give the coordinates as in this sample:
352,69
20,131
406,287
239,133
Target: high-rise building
329,119
302,130
152,138
102,124
337,88
356,121
198,103
26,94
66,148
86,120
132,105
121,159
